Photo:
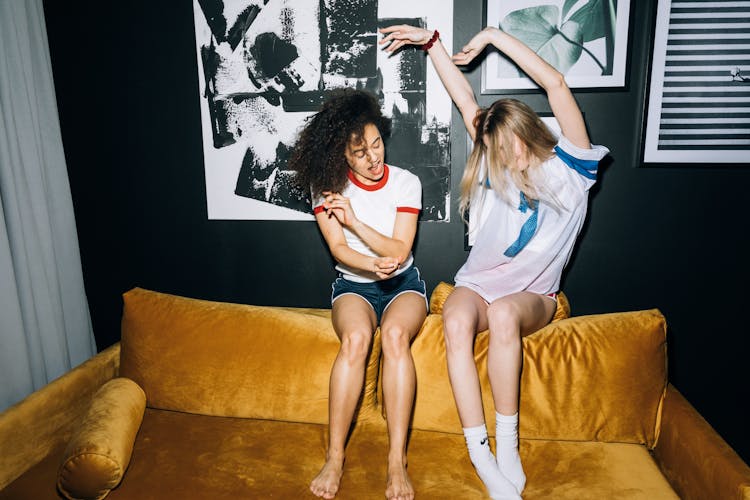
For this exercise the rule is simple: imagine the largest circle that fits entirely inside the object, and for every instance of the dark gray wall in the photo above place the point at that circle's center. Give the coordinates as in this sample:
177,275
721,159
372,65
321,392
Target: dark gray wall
127,88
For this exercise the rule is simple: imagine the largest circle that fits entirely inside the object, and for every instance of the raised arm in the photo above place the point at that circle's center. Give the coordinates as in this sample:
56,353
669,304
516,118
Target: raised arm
455,82
561,99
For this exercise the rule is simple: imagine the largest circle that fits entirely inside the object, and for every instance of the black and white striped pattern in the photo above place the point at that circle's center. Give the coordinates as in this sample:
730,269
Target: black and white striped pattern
704,96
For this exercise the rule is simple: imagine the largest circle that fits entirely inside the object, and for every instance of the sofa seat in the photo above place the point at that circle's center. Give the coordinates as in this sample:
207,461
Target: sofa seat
233,458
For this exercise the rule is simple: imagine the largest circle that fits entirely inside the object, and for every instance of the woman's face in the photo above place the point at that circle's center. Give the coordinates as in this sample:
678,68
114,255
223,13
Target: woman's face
517,153
521,153
365,157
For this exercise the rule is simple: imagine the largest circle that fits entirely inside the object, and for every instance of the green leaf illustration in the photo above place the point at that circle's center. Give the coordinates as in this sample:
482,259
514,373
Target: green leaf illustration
592,19
567,6
537,28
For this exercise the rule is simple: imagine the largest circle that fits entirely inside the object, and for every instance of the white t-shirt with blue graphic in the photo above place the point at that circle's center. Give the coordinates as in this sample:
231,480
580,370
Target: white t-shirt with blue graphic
516,247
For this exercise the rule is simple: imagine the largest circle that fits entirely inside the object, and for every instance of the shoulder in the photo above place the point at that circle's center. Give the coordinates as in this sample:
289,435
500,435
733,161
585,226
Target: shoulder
571,159
403,177
594,153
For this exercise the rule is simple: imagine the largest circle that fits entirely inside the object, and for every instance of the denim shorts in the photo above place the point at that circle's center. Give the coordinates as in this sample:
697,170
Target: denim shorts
379,294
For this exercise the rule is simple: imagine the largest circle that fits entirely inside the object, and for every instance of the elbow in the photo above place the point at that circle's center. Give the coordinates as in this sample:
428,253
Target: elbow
466,100
556,81
403,254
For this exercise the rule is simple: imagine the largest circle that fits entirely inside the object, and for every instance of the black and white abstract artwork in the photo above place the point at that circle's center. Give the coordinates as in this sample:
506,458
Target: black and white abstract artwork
264,66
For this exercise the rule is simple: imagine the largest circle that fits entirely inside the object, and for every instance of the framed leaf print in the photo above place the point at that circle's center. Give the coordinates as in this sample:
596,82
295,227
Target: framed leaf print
586,40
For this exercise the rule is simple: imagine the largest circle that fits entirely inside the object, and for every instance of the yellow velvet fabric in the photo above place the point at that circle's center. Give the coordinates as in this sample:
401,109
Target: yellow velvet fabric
443,289
99,452
247,458
44,421
696,460
596,377
591,471
223,359
438,296
600,377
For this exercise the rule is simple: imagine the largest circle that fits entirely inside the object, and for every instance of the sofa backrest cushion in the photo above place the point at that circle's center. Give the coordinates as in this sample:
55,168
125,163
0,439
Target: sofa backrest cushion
599,377
232,360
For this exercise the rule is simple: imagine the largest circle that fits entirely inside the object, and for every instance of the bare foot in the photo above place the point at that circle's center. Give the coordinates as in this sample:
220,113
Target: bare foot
398,486
326,483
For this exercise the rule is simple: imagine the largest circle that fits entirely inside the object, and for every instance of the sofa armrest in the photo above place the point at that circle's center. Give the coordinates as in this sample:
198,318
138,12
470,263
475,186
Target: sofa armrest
44,421
694,458
99,452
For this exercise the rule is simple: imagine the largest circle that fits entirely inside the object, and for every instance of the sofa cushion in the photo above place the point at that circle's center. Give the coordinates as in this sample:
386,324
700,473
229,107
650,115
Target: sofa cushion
599,377
223,359
99,452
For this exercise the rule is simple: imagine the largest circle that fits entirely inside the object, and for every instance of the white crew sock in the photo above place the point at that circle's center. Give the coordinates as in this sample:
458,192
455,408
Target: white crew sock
484,462
508,459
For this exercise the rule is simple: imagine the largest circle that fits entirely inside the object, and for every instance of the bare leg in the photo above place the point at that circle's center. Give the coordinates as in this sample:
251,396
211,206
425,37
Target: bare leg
464,314
354,322
402,320
510,318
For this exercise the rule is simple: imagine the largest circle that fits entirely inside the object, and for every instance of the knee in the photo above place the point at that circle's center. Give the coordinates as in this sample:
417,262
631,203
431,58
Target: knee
394,340
355,346
458,330
505,323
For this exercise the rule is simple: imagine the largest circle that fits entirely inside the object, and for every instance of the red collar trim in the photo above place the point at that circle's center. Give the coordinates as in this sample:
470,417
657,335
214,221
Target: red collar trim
370,187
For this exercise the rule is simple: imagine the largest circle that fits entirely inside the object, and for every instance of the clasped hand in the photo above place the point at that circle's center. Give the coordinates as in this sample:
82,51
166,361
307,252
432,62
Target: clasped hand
339,206
385,266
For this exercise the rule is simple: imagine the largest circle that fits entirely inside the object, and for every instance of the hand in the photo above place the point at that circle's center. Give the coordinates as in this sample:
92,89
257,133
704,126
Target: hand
403,34
385,266
340,207
475,46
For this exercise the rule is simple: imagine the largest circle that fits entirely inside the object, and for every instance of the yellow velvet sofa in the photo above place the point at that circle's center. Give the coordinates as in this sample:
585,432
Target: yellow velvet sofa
214,400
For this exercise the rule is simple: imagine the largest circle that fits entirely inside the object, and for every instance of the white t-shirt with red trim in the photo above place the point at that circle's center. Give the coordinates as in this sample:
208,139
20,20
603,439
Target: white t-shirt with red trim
377,205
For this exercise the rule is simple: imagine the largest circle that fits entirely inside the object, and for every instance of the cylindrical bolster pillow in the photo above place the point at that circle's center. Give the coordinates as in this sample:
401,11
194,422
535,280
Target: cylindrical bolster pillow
99,451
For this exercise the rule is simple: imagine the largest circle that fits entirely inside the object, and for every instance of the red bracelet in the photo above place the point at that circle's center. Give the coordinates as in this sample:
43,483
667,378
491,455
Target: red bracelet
428,45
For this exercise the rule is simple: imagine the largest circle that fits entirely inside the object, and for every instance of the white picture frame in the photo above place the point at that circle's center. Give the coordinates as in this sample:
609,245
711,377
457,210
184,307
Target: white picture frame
591,54
698,107
263,69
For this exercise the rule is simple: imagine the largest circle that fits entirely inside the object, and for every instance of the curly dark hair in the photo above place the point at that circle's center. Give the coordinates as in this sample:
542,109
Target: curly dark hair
318,156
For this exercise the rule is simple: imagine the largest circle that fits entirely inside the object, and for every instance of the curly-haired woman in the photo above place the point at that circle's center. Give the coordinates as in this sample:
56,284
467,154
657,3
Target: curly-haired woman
527,191
367,212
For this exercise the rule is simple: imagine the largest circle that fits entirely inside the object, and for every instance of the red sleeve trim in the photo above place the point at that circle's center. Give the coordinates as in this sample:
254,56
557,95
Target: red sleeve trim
410,210
318,209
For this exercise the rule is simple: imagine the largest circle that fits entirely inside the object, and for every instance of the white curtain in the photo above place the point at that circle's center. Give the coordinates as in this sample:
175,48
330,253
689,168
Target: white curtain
45,327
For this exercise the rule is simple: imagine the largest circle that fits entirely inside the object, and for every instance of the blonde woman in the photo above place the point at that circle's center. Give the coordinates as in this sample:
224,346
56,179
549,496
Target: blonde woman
527,191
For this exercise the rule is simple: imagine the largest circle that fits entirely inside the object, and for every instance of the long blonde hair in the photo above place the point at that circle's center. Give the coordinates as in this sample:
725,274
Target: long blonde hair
498,126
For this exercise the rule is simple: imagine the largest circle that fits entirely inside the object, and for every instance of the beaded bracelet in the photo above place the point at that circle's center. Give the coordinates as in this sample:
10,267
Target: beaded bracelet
428,45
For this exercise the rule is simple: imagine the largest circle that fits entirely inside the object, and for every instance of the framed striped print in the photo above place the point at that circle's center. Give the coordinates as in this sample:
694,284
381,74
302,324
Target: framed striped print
698,108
